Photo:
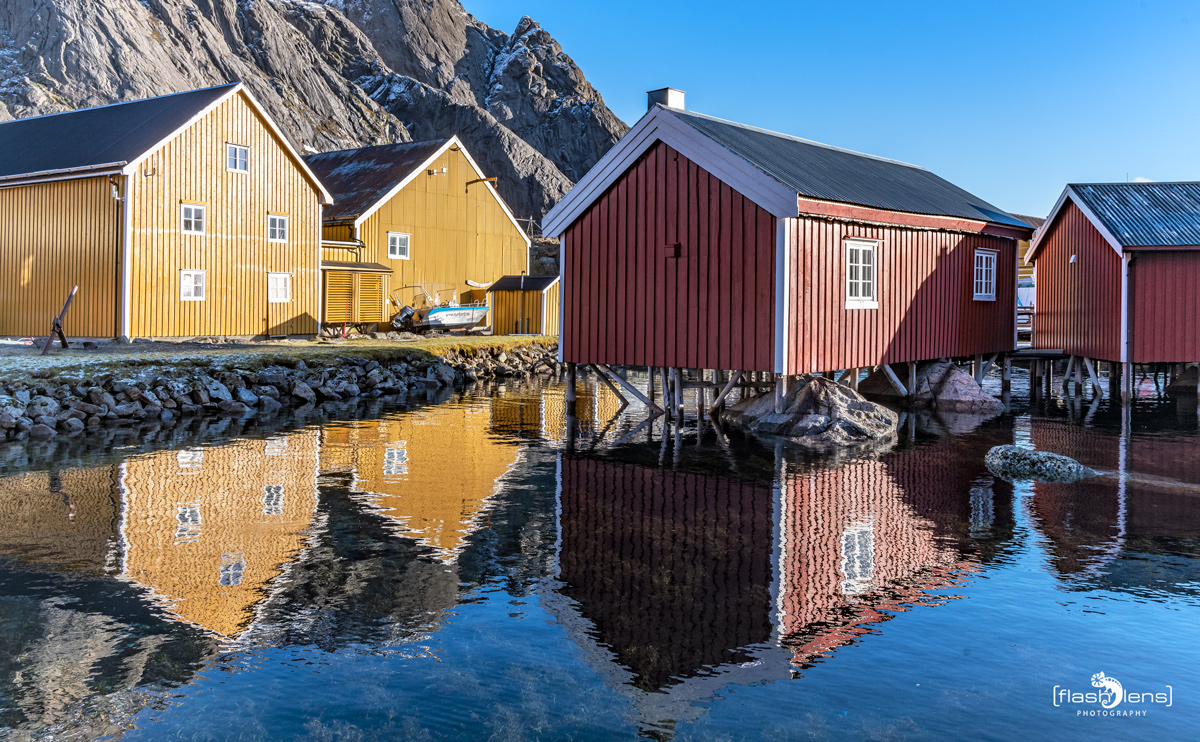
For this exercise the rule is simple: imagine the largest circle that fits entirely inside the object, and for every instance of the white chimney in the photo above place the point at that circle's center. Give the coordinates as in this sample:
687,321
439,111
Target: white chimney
669,97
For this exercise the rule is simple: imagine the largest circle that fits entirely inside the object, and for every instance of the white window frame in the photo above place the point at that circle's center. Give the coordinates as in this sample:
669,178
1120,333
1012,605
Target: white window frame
183,276
240,154
853,274
184,218
287,285
407,246
983,275
277,223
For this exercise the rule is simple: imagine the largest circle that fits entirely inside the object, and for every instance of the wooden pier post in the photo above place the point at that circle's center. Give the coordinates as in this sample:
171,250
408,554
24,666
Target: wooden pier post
912,379
1079,376
666,389
1127,382
853,383
650,384
570,393
1006,375
977,368
678,381
781,385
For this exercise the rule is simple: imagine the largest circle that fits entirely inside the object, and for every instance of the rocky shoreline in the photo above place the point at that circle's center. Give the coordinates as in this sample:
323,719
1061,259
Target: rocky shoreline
40,409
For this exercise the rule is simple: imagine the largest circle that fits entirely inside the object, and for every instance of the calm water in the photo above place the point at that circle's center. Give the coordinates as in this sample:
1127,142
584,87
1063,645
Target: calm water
452,571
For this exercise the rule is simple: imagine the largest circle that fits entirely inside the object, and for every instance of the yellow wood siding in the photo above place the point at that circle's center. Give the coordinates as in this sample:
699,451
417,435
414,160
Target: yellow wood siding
339,296
191,514
339,232
370,297
54,236
234,251
540,312
550,325
1023,270
458,233
431,472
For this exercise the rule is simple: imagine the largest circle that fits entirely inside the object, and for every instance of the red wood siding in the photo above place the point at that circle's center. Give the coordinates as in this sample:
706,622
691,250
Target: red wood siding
926,298
625,302
1078,304
1165,309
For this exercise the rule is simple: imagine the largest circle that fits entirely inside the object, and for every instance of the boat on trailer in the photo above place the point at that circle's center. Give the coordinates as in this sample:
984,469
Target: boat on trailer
449,315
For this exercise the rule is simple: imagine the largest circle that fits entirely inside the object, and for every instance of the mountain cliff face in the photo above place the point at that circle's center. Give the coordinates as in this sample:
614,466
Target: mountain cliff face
334,74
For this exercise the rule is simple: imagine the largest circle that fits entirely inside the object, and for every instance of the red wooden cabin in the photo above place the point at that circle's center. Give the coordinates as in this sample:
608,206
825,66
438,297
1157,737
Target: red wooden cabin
1117,269
706,244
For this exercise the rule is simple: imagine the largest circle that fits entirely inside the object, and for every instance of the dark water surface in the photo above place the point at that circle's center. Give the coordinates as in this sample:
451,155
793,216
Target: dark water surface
452,571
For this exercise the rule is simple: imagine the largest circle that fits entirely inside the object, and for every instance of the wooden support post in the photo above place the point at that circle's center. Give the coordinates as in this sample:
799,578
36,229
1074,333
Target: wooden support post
1079,376
570,393
854,372
1066,377
1127,382
666,389
977,368
781,390
891,376
912,379
608,383
678,393
650,384
1006,374
1095,379
734,377
607,373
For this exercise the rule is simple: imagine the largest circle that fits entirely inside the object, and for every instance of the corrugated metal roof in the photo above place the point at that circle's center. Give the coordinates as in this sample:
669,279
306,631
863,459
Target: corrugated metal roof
828,173
513,283
120,132
359,178
1146,214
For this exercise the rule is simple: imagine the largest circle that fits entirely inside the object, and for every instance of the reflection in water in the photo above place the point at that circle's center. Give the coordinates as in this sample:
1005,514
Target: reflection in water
673,569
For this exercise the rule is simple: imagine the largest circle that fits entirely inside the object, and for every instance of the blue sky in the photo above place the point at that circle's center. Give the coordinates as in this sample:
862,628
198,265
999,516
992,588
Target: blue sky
1010,100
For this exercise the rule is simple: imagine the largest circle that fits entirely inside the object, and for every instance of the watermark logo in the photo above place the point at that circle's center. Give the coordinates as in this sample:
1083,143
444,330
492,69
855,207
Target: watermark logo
1112,698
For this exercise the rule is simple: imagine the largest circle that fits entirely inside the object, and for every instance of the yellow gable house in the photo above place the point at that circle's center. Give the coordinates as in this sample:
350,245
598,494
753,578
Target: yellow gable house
208,528
415,224
177,216
431,471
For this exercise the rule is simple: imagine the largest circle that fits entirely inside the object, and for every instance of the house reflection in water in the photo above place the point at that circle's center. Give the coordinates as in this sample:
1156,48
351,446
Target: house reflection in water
65,519
1145,504
208,528
431,472
541,411
677,583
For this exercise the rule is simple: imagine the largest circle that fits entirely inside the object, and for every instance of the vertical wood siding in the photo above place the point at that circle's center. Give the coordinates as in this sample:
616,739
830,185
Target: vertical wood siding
458,233
550,319
1078,304
234,252
54,236
925,286
672,568
1164,308
629,302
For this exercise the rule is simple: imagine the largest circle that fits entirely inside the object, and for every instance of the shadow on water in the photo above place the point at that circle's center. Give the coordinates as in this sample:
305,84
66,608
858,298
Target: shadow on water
669,564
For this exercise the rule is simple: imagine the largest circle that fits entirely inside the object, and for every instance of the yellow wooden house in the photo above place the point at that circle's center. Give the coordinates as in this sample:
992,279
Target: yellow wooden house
178,216
209,528
416,224
524,305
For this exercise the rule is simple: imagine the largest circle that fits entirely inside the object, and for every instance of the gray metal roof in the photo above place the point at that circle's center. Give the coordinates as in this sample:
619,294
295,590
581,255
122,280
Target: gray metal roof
359,178
89,137
532,283
1146,214
828,173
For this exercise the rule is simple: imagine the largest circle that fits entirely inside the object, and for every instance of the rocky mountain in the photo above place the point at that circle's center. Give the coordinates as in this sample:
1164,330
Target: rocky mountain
334,74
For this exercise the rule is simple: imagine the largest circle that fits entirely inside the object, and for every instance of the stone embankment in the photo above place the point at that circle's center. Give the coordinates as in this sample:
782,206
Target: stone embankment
70,405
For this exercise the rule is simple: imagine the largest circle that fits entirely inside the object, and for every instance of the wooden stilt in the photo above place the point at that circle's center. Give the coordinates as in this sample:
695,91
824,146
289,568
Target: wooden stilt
611,387
1066,377
666,390
1079,375
679,412
650,383
895,380
1127,382
977,368
912,379
734,377
1006,374
853,384
781,390
607,374
1095,379
570,392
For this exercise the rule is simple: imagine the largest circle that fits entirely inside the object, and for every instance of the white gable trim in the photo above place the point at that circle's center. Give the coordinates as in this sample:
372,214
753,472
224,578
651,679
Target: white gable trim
660,125
451,142
132,167
1070,194
783,284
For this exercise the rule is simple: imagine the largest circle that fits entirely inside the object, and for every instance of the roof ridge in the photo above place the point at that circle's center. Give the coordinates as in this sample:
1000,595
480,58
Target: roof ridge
119,103
790,137
1151,183
438,142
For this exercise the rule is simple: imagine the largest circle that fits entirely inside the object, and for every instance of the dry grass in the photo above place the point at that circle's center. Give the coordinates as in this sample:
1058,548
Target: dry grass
112,358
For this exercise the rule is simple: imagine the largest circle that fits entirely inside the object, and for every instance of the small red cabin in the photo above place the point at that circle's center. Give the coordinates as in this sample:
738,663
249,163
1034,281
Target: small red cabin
1117,269
706,244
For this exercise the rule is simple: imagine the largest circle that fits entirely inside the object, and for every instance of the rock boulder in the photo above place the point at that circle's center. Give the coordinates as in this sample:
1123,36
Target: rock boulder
817,412
940,385
1016,462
